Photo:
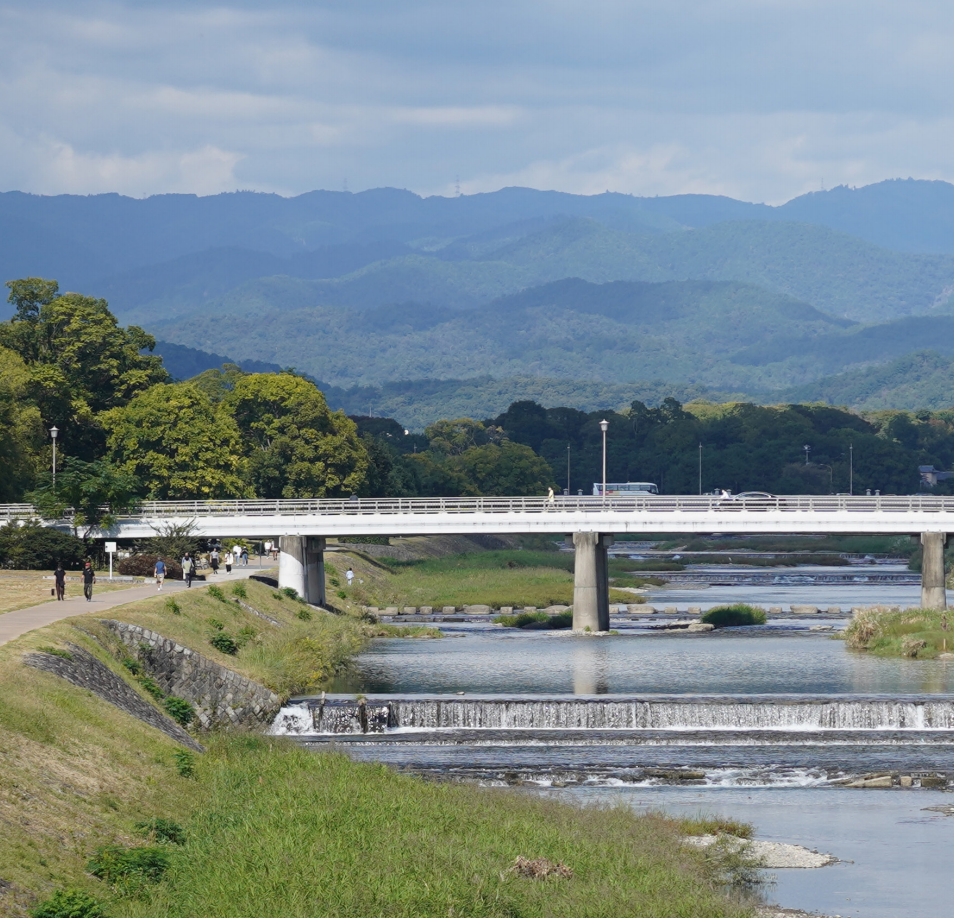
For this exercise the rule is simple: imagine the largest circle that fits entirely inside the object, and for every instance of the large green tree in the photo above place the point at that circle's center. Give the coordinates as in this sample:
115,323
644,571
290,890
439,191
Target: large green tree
21,429
80,361
294,445
178,443
505,470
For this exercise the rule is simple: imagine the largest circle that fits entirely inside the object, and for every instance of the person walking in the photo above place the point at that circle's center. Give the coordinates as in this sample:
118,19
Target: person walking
228,561
59,577
214,560
350,575
89,578
244,556
160,573
188,567
550,498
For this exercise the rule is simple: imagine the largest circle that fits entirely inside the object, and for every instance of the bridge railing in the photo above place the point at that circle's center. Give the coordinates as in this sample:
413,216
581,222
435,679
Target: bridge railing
188,509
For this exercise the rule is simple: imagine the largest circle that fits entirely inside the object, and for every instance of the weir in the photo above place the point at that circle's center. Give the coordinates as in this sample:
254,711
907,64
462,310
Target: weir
379,714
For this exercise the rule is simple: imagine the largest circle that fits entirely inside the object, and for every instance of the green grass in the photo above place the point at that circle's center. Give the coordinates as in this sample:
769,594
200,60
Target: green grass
734,616
540,620
279,832
493,578
919,633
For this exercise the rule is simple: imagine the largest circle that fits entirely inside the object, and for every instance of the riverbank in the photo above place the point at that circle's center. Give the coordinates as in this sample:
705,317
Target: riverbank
89,752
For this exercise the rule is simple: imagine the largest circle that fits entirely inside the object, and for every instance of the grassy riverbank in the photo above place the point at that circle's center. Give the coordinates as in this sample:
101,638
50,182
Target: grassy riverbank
920,633
284,833
509,577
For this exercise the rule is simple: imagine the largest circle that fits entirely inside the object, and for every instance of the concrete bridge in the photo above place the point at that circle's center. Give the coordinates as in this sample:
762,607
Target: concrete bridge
303,526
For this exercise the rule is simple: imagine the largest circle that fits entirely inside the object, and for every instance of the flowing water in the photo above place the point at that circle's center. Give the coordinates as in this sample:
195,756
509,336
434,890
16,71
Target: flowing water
766,724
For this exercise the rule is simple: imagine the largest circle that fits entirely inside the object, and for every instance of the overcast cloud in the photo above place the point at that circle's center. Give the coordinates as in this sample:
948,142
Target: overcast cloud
759,99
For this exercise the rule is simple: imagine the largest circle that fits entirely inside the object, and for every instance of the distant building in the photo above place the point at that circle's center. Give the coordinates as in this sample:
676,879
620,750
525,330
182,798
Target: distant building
930,476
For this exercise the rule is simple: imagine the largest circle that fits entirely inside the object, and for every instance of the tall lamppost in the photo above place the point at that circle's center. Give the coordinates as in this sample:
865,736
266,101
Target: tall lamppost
807,449
831,486
603,426
568,468
53,433
851,469
700,470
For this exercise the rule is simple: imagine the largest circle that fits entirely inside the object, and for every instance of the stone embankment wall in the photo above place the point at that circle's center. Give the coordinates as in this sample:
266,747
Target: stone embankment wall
221,697
85,671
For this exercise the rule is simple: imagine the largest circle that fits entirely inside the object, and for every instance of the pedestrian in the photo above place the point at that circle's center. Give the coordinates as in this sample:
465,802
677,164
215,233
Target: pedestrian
228,561
350,575
188,566
550,498
244,556
214,560
160,573
89,578
59,576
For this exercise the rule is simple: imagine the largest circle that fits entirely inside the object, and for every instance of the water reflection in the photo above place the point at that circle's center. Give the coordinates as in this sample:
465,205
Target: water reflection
590,660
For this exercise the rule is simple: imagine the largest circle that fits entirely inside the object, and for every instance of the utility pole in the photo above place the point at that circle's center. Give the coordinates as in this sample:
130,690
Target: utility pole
568,468
851,469
700,470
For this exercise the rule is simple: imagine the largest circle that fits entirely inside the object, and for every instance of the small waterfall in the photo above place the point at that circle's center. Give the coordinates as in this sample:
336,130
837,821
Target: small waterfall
786,713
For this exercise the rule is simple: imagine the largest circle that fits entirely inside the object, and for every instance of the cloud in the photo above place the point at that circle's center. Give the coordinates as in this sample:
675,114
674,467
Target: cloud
761,99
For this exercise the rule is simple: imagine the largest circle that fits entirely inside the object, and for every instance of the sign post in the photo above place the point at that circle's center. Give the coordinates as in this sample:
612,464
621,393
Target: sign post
110,550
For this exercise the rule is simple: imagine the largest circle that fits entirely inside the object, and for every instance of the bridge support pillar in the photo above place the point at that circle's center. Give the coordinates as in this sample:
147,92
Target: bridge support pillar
933,591
591,581
301,566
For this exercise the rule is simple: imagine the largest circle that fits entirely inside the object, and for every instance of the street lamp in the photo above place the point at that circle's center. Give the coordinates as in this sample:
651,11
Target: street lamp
700,470
53,433
851,469
603,426
831,486
807,449
568,468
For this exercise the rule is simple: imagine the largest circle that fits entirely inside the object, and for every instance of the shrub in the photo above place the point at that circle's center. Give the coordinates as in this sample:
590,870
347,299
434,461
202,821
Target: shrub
143,565
290,592
173,606
216,593
151,686
734,616
304,614
164,830
224,643
238,589
35,547
246,634
69,903
278,596
341,594
114,863
215,624
185,763
134,666
179,710
536,620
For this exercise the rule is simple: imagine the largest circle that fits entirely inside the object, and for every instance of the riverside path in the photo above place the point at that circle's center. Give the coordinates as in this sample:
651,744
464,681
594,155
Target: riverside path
303,525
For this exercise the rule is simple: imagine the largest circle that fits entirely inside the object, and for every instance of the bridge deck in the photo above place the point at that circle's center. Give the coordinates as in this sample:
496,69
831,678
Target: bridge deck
466,515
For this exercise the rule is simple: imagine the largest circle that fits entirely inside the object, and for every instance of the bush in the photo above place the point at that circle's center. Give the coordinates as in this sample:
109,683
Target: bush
304,614
185,763
734,616
164,830
151,686
215,624
179,710
143,565
173,606
536,620
35,547
224,643
216,593
114,863
290,592
913,633
238,589
134,666
67,903
246,634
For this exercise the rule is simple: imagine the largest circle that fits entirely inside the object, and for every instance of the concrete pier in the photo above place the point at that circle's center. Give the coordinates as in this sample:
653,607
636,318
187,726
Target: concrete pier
591,581
301,566
933,591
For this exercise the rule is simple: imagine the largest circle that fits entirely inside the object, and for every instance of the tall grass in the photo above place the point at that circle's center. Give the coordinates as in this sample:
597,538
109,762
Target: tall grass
280,832
734,616
921,633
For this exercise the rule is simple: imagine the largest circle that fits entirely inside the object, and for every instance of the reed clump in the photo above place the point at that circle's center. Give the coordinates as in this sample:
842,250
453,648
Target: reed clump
911,633
734,616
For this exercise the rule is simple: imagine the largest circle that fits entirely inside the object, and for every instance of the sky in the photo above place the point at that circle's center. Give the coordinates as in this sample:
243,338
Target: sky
761,100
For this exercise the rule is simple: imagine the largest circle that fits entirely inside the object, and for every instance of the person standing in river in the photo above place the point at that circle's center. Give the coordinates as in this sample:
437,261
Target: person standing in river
89,578
59,578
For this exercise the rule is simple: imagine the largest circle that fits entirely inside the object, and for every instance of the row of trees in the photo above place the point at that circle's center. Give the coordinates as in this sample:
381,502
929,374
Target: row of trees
128,431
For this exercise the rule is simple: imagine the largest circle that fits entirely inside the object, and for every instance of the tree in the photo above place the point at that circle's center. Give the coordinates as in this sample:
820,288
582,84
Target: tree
79,360
505,470
178,444
93,493
33,546
294,445
21,429
453,438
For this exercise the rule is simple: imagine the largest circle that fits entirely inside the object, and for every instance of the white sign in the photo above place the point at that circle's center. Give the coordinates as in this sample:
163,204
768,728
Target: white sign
110,547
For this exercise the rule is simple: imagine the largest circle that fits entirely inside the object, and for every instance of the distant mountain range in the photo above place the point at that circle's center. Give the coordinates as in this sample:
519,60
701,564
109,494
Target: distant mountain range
701,293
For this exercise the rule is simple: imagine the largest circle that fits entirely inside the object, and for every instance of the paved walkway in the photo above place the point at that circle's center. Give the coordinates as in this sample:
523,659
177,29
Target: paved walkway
15,624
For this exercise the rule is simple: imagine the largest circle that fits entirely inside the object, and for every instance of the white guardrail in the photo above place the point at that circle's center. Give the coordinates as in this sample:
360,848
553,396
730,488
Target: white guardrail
154,510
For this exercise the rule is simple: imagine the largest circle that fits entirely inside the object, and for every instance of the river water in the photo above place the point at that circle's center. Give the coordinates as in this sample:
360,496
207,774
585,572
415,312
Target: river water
763,724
